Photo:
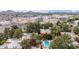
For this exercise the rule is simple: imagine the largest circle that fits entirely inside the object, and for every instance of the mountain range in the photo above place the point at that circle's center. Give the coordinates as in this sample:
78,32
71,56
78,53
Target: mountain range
64,11
41,12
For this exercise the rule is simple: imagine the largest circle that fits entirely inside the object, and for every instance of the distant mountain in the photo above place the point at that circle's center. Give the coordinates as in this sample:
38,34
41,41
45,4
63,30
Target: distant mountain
22,13
39,12
64,11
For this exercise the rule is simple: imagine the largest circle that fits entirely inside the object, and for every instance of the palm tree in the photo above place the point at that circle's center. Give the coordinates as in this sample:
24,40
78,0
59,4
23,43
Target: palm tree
33,27
76,30
64,26
55,31
61,42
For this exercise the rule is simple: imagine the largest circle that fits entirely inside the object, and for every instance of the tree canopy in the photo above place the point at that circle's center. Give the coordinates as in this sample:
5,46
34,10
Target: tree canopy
61,42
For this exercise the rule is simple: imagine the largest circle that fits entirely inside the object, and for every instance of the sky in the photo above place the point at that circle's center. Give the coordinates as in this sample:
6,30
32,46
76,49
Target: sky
39,5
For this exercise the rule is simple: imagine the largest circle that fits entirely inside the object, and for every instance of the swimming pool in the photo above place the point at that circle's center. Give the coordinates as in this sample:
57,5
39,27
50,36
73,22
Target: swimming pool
45,43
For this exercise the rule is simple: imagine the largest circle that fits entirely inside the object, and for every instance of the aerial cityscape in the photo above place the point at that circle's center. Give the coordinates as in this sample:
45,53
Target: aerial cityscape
43,29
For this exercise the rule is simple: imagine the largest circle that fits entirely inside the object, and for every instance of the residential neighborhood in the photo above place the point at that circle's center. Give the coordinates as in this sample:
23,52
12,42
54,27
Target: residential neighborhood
37,30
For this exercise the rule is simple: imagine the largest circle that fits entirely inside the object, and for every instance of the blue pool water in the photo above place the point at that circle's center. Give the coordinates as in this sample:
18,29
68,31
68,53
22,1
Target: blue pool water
46,43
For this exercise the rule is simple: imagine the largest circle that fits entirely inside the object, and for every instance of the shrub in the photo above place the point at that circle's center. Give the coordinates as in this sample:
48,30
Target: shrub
2,41
26,44
33,42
